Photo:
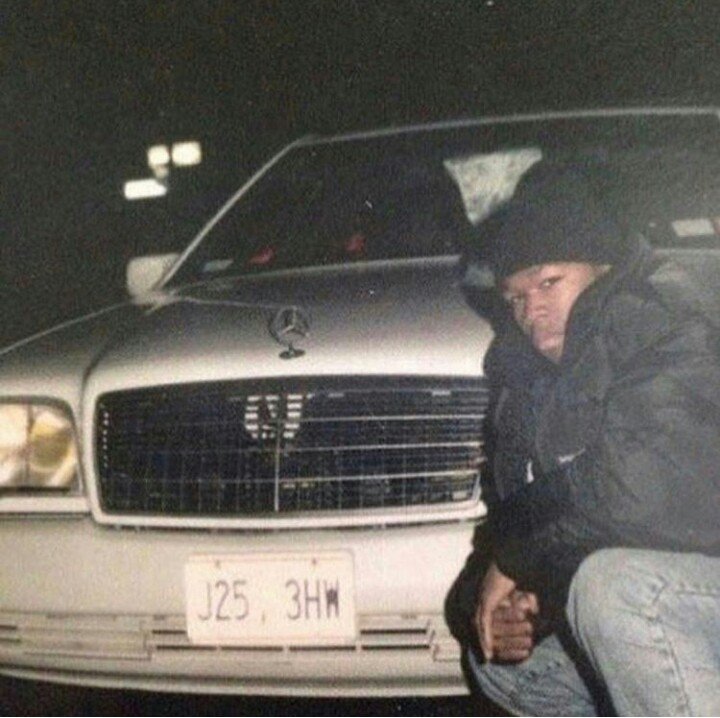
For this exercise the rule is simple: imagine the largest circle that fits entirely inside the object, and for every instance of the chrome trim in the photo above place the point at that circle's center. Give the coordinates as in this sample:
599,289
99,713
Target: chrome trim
513,119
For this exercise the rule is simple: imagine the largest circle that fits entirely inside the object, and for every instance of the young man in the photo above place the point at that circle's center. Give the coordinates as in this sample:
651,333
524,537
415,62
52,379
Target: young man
605,456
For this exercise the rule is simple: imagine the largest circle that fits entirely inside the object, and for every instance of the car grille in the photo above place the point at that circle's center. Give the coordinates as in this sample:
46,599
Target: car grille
258,449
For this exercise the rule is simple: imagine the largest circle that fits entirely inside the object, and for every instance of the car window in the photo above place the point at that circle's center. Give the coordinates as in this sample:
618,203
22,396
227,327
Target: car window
392,197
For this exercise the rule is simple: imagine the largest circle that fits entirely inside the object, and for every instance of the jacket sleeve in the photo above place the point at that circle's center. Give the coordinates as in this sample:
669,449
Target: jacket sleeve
648,476
462,600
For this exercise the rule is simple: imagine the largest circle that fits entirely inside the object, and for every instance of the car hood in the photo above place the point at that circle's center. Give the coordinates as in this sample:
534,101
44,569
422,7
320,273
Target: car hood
406,318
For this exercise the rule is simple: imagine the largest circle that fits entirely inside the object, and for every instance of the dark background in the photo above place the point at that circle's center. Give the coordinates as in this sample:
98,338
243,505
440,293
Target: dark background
88,86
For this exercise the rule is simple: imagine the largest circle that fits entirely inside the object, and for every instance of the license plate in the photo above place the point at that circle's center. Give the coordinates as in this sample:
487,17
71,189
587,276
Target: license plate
270,598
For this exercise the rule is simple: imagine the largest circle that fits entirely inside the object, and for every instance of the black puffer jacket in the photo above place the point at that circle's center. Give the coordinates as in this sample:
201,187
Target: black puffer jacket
618,445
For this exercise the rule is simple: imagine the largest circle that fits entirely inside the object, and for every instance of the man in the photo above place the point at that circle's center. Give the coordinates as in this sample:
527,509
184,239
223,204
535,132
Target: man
604,588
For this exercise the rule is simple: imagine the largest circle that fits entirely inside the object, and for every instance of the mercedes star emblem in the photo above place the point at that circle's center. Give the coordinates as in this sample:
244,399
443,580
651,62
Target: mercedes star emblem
288,326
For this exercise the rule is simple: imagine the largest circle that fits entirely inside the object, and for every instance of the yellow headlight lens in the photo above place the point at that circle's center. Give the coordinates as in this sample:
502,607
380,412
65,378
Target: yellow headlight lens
37,447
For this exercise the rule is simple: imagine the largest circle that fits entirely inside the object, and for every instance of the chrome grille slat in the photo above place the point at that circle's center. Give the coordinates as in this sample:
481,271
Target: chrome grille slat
376,418
255,448
370,447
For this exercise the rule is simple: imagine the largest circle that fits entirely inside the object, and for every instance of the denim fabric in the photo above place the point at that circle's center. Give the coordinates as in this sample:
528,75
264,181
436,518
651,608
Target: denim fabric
547,684
648,625
649,622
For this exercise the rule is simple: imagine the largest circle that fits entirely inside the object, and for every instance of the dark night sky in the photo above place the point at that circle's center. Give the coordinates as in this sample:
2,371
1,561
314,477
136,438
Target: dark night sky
89,85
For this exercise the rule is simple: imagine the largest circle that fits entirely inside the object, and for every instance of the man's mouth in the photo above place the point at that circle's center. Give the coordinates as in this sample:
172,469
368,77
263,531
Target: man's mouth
547,342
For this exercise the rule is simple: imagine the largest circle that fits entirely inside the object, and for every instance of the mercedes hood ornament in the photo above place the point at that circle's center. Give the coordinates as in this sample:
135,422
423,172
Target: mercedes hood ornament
287,326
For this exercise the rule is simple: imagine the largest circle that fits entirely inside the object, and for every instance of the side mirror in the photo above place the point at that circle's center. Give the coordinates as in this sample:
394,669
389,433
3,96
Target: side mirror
144,273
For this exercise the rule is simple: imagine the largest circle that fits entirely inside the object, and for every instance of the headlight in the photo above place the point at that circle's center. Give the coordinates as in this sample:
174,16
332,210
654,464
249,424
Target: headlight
37,447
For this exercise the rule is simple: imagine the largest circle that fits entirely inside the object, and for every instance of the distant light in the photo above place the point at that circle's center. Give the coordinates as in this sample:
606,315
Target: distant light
702,227
186,153
144,189
158,156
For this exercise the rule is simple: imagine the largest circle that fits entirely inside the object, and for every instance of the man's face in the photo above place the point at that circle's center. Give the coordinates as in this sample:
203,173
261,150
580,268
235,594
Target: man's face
541,298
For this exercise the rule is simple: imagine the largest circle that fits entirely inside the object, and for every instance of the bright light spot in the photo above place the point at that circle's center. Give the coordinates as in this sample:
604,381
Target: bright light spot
702,227
14,422
158,156
186,153
144,189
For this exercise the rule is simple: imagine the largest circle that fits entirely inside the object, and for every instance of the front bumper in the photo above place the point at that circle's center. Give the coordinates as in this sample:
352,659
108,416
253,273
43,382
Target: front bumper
100,606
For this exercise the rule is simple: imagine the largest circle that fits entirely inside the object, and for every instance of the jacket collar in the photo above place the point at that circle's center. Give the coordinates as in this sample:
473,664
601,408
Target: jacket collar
590,305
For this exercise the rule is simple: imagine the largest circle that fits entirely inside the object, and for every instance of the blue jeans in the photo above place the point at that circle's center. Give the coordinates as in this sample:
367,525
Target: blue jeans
645,640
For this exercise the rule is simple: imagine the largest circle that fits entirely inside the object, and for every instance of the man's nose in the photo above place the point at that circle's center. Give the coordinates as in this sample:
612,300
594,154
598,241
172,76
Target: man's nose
535,308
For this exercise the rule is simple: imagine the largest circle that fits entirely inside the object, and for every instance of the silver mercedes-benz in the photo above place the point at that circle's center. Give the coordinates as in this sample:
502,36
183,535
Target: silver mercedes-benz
262,473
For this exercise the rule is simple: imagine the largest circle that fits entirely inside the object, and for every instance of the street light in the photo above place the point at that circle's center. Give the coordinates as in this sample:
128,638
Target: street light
185,154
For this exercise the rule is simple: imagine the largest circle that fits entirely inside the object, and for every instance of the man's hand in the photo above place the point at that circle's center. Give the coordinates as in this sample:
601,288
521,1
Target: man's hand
503,618
512,627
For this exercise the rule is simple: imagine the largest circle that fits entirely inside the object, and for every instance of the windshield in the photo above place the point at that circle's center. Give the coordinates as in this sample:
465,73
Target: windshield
394,196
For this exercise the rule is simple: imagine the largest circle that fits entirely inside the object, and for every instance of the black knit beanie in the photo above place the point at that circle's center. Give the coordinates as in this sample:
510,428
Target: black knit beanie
554,216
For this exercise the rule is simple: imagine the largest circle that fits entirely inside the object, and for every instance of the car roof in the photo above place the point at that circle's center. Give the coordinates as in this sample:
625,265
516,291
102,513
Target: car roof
596,113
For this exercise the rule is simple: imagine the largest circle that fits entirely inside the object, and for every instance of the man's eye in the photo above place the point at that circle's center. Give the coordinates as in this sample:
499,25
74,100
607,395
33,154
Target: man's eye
549,282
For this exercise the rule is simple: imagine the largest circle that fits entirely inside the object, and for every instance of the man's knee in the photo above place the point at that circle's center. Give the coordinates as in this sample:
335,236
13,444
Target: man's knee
607,586
615,591
648,622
